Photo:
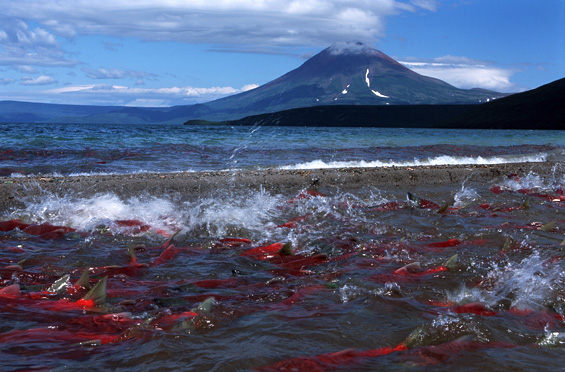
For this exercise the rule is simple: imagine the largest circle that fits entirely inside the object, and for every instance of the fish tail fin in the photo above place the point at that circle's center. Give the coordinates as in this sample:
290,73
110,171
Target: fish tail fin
171,240
548,226
98,293
413,198
507,244
451,263
443,208
286,249
205,306
132,256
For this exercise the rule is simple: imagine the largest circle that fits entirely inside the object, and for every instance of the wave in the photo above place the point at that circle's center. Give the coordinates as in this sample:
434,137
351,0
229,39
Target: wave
438,160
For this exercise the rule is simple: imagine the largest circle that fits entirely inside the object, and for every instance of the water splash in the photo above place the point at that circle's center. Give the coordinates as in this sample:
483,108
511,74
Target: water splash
223,215
88,213
218,216
531,283
465,196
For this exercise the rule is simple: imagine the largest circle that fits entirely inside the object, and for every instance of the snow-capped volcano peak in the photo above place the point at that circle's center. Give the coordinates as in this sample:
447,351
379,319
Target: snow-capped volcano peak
346,73
348,48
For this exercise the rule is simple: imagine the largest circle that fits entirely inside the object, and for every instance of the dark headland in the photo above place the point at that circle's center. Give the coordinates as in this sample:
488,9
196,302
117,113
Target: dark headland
540,108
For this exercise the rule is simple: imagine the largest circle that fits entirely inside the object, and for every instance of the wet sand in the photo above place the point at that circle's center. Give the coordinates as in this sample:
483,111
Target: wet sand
13,190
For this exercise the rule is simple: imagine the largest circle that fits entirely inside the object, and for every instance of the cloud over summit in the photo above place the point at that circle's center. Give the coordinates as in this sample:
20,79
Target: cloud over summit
345,48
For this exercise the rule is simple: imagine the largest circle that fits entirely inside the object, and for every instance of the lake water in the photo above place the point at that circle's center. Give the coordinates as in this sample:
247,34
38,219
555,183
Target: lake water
458,277
86,149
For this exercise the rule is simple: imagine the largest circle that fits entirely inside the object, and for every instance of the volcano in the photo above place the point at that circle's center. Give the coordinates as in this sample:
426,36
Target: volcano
347,74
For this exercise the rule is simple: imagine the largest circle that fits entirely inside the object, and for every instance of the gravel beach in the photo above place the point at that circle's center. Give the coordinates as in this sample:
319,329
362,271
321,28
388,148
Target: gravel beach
13,190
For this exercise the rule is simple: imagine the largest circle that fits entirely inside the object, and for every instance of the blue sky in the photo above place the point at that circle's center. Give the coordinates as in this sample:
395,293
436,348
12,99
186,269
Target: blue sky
174,52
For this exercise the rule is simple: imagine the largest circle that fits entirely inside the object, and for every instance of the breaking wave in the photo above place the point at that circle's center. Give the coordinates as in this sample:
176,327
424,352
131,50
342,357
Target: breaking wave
438,160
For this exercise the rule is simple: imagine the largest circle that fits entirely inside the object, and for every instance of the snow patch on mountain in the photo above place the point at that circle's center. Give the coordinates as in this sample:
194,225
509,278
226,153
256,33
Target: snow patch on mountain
376,93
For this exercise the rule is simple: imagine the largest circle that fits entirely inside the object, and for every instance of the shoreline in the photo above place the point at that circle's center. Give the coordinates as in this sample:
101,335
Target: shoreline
193,184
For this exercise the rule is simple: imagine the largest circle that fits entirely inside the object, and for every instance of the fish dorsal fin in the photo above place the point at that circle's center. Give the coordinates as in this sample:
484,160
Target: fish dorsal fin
98,293
84,280
286,249
60,284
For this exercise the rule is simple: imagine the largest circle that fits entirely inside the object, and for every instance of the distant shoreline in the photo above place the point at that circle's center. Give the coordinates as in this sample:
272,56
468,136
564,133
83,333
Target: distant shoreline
192,185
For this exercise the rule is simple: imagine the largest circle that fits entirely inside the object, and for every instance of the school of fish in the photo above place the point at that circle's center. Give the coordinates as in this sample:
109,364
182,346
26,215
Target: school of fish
425,279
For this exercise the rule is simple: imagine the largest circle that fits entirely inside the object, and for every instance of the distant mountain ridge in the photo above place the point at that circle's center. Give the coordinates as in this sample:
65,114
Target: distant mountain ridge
342,74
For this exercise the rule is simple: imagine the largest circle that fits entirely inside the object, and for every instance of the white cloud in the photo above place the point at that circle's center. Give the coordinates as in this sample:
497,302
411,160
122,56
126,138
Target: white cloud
132,96
114,73
247,87
464,72
430,5
342,47
71,89
231,22
22,46
26,69
40,80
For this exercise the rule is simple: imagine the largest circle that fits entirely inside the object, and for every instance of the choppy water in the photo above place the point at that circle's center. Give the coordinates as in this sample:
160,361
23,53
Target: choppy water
471,280
82,149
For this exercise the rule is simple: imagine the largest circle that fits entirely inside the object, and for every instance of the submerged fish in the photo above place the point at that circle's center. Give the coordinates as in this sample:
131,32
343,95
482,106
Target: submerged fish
269,251
330,361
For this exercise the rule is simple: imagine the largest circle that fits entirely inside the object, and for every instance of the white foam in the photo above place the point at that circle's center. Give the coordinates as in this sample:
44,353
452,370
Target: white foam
102,209
217,215
439,160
